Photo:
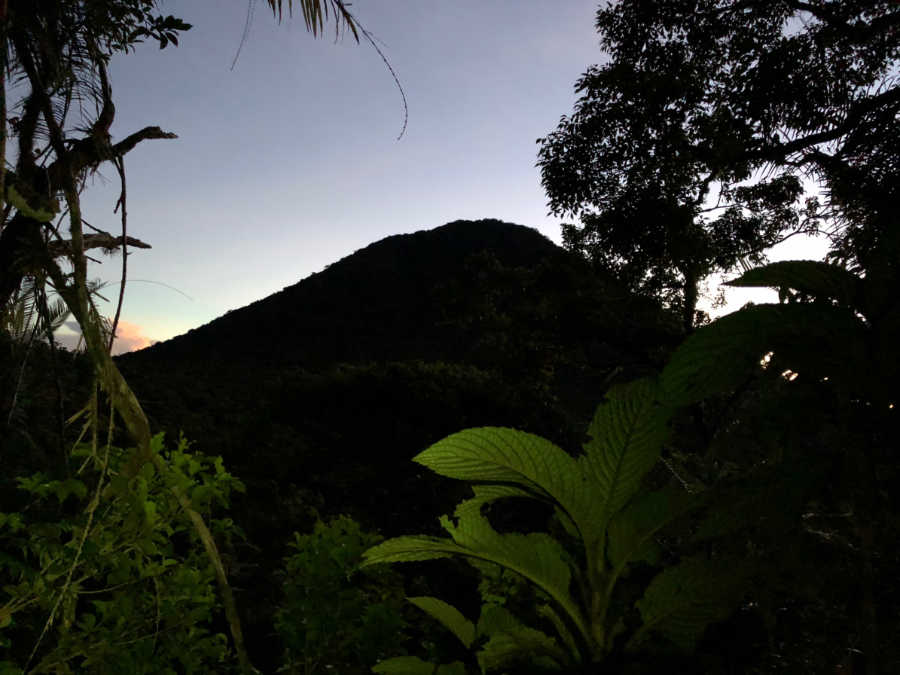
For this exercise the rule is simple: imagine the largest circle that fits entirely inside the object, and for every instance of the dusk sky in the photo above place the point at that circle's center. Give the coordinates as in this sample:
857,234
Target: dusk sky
291,161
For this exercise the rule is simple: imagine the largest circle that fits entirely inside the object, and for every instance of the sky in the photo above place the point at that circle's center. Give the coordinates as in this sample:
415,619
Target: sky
291,160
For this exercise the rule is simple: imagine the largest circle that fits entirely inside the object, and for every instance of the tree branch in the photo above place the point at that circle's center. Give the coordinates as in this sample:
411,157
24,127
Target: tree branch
778,153
87,153
104,240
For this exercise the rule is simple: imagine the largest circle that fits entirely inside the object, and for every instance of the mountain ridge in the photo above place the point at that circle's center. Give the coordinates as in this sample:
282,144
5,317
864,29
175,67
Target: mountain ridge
396,275
331,385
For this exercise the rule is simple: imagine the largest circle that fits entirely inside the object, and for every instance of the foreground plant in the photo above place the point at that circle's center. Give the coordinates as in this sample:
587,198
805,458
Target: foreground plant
102,572
609,523
332,617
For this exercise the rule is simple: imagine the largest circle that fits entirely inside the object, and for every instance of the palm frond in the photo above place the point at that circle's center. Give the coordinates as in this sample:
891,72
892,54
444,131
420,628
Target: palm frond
316,13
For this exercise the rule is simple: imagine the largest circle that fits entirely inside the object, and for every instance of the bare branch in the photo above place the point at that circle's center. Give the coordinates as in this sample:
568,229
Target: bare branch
105,240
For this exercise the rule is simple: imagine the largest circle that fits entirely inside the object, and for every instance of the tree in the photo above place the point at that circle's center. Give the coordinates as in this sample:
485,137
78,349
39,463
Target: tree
60,50
685,152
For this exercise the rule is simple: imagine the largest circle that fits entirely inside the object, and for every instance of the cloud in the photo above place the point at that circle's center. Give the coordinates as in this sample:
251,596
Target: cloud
129,337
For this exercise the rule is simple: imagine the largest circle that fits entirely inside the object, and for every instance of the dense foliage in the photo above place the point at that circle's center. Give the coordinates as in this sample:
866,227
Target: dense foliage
102,573
686,151
732,510
609,523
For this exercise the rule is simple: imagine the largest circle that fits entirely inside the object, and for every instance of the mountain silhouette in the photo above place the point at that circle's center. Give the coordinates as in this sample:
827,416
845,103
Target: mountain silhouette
380,303
328,387
318,396
409,296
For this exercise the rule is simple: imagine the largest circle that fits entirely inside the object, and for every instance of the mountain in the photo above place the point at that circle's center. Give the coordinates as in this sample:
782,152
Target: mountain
327,388
398,298
318,396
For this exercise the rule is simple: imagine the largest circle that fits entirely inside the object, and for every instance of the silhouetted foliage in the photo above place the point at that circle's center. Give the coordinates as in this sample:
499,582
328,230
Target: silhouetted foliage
686,150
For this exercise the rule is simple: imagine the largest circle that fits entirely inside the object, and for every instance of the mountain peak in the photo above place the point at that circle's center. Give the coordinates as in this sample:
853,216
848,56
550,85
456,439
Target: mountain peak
395,274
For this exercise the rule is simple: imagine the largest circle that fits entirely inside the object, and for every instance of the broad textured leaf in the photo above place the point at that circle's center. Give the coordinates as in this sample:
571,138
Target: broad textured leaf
718,357
496,619
450,617
683,600
501,455
410,548
512,642
516,458
811,277
537,556
630,534
485,494
626,436
774,498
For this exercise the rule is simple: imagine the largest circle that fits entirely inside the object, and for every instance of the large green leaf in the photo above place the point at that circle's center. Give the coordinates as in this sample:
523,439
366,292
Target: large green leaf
410,548
450,617
631,531
516,458
501,455
809,277
537,556
771,498
804,337
683,600
626,436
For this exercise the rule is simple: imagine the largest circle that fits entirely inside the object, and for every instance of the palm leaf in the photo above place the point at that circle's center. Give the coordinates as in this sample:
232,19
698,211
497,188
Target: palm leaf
316,13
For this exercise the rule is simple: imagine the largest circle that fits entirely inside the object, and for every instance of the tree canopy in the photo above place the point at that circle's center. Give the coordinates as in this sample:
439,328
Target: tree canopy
686,151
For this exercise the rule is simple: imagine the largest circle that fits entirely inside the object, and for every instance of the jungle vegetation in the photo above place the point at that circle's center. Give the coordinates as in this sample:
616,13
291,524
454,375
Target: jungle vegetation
610,481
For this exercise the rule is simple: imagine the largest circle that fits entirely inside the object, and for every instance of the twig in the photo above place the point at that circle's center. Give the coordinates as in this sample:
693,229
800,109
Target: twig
120,167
